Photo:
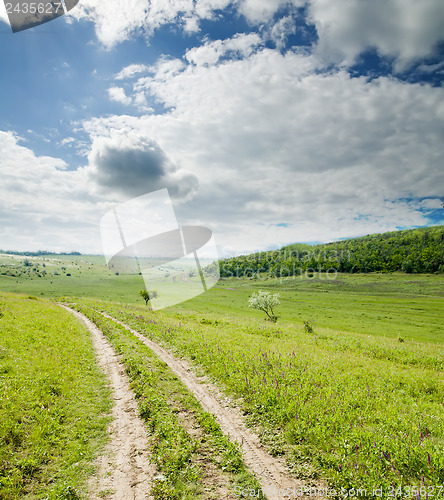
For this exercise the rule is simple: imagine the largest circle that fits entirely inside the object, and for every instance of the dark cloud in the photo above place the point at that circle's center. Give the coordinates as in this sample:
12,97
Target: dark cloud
136,169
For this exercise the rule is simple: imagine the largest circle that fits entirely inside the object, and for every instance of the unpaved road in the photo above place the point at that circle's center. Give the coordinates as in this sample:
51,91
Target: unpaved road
124,471
270,472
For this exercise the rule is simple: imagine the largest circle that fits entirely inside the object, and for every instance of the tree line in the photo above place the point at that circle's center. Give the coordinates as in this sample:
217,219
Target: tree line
411,251
38,253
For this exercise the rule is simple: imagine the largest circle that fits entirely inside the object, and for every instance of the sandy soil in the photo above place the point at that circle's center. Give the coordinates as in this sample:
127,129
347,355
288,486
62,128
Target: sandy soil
124,471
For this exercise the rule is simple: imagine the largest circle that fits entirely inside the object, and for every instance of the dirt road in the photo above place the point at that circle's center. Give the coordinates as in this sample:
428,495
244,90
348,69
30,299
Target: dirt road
270,471
124,471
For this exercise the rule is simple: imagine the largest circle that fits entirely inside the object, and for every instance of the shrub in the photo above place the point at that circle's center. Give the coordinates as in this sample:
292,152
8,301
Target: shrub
308,326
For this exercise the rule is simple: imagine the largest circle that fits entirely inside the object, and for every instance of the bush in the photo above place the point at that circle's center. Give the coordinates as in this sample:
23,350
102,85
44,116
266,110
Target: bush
308,326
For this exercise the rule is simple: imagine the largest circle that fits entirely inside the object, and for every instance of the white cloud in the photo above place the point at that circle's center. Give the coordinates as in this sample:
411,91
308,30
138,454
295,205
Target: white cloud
260,11
271,139
241,45
206,9
281,30
431,203
131,71
118,20
431,68
43,205
67,141
117,94
115,20
405,30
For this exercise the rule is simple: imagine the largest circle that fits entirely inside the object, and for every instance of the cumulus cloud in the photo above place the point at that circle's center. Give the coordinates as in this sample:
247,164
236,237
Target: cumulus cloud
45,205
404,30
280,31
132,166
271,138
118,20
241,45
115,20
118,94
42,203
131,71
260,11
431,203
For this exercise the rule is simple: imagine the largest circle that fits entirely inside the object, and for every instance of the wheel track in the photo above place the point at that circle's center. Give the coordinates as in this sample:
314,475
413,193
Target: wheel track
270,472
124,471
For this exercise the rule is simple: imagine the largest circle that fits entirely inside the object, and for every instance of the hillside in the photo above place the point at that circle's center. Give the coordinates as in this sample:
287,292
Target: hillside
412,251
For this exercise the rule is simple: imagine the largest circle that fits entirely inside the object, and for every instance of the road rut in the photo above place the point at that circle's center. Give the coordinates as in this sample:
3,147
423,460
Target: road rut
270,472
124,471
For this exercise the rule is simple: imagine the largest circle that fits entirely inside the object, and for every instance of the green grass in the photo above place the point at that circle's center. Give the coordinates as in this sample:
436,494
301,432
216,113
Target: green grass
359,410
380,305
53,403
55,276
357,401
391,305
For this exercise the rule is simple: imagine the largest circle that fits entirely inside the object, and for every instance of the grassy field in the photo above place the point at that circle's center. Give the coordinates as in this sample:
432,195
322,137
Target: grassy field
53,401
358,410
358,401
391,305
382,305
54,276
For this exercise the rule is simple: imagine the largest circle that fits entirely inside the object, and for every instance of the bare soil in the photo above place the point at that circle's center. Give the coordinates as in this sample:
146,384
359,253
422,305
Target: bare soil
124,471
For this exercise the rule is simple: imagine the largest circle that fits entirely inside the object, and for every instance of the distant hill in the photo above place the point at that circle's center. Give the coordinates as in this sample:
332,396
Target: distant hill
412,251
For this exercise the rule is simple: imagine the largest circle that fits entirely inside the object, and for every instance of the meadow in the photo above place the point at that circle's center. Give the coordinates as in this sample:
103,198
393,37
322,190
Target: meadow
392,305
54,401
361,411
357,401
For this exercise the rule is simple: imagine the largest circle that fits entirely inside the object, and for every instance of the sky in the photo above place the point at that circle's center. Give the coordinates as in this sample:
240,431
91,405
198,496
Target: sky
269,121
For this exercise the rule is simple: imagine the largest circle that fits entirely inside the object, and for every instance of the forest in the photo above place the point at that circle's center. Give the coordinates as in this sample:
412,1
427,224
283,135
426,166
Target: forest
418,250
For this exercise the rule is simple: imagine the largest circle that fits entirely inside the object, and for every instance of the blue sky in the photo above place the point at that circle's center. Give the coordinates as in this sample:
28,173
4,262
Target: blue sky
270,121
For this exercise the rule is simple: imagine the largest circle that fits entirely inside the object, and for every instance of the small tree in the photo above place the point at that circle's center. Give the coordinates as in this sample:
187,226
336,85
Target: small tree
309,326
146,296
266,302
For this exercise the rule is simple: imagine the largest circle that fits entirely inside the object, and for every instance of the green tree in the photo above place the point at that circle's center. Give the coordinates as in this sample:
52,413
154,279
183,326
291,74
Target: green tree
266,302
146,296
